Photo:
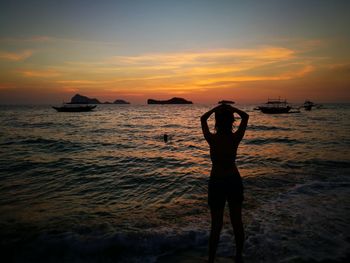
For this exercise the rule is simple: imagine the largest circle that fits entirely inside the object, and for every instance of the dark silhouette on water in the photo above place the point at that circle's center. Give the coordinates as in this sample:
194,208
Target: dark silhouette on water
225,183
226,102
165,137
119,101
74,108
275,106
308,105
80,99
174,100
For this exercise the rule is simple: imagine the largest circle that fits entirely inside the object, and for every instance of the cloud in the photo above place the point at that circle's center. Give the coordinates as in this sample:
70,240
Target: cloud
83,82
185,71
209,57
208,67
178,71
40,73
340,67
18,40
220,81
16,56
43,39
185,64
40,39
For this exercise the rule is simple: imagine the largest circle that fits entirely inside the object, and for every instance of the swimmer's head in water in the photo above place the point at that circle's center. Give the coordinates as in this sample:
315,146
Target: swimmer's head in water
224,120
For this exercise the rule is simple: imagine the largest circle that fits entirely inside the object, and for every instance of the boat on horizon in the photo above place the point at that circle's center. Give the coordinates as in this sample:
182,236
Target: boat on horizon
74,108
275,106
308,105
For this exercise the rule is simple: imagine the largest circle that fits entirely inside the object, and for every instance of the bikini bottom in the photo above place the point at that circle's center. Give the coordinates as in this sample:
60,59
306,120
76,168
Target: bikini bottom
228,189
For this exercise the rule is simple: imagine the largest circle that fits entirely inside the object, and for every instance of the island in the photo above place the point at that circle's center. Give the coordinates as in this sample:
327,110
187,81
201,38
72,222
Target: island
79,99
226,102
171,101
120,102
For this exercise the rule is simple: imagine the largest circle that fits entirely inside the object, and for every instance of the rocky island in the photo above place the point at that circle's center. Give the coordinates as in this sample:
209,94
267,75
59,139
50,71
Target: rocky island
121,102
226,102
171,101
80,99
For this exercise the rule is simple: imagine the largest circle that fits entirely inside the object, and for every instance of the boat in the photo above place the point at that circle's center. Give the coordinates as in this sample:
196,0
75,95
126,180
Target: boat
275,106
74,108
308,105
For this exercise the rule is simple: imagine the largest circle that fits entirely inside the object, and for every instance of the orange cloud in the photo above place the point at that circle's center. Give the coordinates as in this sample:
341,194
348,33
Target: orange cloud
190,58
179,72
184,72
19,40
40,73
298,73
16,56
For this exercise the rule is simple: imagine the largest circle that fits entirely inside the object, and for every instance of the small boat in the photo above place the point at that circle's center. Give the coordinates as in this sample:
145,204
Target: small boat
308,105
275,106
74,108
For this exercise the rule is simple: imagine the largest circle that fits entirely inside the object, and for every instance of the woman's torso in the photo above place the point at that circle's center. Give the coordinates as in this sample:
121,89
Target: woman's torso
223,151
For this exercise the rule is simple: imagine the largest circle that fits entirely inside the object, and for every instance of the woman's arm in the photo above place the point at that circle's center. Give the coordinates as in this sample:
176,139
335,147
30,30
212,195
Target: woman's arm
244,122
204,118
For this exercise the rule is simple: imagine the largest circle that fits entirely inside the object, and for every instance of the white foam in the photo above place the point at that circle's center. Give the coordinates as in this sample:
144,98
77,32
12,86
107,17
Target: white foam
309,222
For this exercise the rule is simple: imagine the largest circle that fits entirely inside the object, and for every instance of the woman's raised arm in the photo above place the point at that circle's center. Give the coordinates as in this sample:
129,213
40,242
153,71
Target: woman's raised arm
244,122
204,123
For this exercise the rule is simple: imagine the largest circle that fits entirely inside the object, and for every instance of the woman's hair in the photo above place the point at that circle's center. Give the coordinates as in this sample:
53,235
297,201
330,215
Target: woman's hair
224,120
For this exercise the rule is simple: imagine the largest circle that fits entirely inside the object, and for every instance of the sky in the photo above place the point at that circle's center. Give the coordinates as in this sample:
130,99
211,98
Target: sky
202,50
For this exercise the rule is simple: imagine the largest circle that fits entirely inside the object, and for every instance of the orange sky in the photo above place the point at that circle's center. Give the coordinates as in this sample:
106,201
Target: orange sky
39,68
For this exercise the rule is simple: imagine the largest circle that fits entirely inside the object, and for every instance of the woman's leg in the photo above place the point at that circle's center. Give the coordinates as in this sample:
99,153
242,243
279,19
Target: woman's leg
217,215
237,225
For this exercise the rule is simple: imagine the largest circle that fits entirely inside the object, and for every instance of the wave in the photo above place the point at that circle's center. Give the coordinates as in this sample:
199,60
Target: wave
261,141
60,145
267,128
318,163
44,125
172,125
54,145
313,214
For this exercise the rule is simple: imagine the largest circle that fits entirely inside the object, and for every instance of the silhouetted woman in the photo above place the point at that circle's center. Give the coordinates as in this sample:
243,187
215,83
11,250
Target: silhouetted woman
225,183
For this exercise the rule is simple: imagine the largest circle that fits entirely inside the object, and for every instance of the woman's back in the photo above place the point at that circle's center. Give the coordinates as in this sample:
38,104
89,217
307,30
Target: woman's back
223,151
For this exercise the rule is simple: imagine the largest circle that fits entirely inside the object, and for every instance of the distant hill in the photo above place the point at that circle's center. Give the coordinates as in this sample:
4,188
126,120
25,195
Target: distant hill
79,99
121,102
226,102
171,101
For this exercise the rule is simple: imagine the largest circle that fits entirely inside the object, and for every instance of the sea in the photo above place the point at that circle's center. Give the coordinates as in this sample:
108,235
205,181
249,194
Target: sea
104,186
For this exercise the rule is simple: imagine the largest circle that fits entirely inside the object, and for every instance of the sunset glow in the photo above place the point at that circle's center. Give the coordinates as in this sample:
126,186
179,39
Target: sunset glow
149,54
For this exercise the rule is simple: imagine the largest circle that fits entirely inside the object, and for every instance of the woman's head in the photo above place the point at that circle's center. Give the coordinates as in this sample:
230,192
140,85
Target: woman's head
224,120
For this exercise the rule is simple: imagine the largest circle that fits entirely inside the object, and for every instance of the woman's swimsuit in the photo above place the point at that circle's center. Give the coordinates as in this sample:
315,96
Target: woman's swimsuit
222,189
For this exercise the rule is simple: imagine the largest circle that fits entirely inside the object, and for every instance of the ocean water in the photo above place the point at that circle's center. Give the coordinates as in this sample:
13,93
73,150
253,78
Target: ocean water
103,186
